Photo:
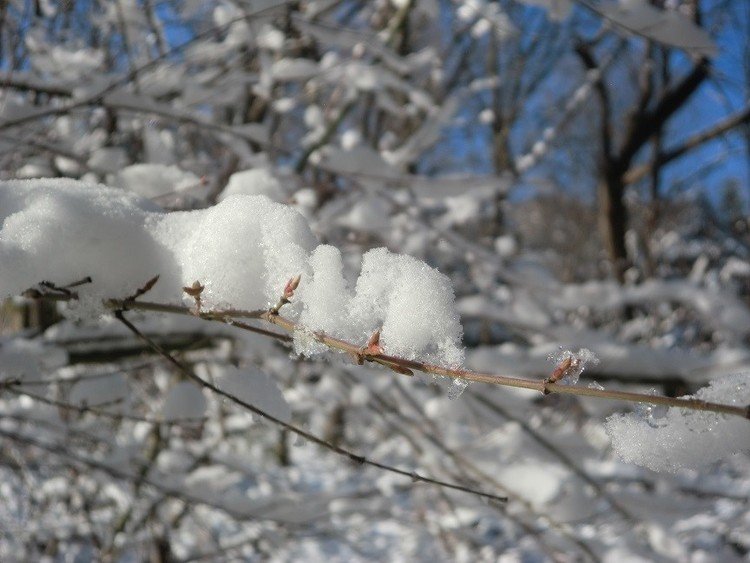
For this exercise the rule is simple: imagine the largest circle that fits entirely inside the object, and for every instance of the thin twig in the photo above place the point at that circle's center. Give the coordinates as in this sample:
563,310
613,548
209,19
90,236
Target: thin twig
113,471
540,385
360,459
98,410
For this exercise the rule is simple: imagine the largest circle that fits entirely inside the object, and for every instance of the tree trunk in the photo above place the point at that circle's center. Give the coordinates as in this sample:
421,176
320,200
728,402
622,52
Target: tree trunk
613,221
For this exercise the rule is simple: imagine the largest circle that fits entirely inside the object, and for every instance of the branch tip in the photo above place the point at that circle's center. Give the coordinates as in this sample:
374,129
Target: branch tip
291,285
194,290
373,347
144,289
566,366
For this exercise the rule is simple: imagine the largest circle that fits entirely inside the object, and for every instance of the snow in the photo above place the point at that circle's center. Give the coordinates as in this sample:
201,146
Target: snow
63,231
257,181
409,302
275,243
367,214
35,168
155,180
100,392
718,307
22,359
326,295
487,16
558,9
159,146
252,386
110,159
415,304
293,69
270,38
185,400
68,64
229,95
675,439
665,26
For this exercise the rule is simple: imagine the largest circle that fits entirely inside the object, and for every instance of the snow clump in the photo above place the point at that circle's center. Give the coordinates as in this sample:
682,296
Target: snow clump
242,250
409,302
685,439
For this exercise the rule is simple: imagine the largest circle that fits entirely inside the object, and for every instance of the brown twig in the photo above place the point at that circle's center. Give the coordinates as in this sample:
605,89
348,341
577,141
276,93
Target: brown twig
359,459
542,386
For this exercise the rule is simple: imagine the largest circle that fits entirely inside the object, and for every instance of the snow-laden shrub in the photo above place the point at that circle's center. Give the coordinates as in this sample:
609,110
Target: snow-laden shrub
243,251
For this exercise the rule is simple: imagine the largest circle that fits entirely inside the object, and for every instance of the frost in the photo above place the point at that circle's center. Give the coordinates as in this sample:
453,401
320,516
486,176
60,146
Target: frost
305,343
458,386
681,439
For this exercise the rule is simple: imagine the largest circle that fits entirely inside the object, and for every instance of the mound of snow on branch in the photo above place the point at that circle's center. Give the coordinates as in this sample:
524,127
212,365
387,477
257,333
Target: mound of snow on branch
685,439
410,302
243,250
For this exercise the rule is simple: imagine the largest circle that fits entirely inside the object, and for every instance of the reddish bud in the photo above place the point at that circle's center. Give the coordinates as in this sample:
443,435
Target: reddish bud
291,285
562,369
373,346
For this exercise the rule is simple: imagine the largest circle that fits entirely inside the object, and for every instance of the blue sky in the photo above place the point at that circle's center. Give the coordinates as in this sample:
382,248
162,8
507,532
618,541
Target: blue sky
706,169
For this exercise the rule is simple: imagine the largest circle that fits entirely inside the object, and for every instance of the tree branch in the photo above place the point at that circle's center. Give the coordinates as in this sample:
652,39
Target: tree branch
727,124
357,458
605,128
644,125
400,364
